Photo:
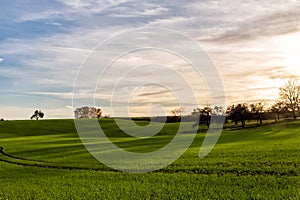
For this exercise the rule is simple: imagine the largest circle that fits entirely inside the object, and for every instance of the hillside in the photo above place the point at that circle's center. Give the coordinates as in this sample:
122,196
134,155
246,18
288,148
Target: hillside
47,156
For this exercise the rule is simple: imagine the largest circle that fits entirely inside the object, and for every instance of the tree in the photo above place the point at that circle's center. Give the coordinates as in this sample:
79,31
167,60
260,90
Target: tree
87,112
37,114
218,110
204,115
290,95
238,113
278,108
177,112
257,109
207,110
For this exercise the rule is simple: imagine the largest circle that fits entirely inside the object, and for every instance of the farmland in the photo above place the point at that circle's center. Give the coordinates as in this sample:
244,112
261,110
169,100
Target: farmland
45,159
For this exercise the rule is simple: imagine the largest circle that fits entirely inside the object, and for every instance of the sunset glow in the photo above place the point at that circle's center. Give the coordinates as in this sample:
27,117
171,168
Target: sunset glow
290,47
255,47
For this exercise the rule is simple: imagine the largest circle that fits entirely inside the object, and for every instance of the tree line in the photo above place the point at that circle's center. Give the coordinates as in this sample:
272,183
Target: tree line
288,105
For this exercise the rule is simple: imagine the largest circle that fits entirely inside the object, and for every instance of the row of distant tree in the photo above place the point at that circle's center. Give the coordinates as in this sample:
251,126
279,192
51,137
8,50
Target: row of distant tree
288,105
83,112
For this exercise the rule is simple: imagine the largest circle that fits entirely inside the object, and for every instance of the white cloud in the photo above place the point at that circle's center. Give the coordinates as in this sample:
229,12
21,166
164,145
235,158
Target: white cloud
154,11
35,16
90,7
62,95
147,10
71,10
1,60
52,61
70,107
171,22
278,22
76,3
103,4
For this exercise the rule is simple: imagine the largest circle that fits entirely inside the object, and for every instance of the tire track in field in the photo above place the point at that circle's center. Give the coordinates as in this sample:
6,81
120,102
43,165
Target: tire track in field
41,164
26,159
19,158
45,164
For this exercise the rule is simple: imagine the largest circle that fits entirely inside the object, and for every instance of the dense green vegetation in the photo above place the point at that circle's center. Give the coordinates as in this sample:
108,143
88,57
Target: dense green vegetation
46,160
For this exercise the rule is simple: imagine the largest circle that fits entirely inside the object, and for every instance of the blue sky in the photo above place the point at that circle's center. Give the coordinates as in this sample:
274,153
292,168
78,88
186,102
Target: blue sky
254,45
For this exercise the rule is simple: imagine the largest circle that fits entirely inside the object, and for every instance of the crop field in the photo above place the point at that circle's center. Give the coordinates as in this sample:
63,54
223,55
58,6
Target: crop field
45,159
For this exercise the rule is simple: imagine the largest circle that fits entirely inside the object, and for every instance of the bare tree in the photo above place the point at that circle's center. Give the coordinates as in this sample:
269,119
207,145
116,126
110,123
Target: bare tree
290,94
278,108
177,112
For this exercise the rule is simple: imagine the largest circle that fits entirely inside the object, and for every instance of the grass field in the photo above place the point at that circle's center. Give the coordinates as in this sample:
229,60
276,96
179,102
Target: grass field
46,160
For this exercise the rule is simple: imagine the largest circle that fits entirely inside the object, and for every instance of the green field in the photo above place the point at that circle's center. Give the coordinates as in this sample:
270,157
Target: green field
45,159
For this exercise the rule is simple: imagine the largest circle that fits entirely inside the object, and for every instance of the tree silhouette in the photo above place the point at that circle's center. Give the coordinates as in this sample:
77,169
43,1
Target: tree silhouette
37,114
290,94
204,115
239,113
278,108
257,109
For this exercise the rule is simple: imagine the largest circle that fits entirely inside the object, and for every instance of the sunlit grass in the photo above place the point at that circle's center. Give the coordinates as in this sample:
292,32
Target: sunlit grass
252,163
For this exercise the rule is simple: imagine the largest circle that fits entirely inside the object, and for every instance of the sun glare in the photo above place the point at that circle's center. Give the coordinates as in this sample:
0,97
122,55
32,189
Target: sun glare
290,48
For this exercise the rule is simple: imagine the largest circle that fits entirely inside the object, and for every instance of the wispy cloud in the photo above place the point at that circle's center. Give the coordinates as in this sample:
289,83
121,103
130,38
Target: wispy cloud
96,4
278,22
45,44
53,94
154,11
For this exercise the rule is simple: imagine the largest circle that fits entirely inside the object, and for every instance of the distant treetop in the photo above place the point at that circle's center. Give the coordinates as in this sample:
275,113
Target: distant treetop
87,112
37,114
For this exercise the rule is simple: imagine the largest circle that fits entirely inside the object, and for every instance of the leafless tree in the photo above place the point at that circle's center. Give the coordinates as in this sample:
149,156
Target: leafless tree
290,94
178,112
278,108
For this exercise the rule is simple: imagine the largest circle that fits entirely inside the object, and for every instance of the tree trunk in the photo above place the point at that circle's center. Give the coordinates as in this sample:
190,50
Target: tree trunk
260,119
294,114
243,123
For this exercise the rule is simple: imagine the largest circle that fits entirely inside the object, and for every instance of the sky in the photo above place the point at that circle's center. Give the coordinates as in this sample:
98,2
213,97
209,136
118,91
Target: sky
45,46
